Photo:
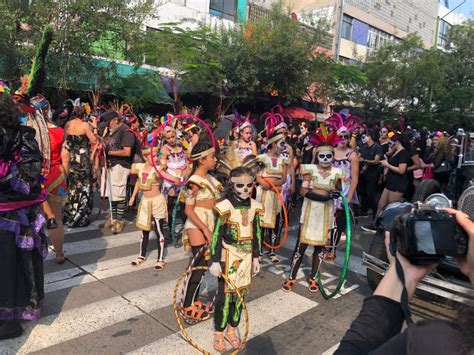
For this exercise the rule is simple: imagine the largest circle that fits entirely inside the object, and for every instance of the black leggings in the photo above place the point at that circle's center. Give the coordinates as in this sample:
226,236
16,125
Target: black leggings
272,236
192,291
297,258
223,317
171,202
341,228
160,237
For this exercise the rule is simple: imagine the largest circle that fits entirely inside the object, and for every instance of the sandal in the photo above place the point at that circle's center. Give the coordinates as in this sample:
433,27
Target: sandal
219,342
195,313
288,285
204,306
232,338
60,258
329,256
138,261
313,285
160,265
274,259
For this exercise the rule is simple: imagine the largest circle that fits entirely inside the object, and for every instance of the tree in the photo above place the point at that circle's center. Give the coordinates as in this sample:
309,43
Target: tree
83,29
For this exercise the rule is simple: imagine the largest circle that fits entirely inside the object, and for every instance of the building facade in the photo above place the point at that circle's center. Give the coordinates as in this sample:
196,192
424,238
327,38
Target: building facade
446,19
193,13
360,26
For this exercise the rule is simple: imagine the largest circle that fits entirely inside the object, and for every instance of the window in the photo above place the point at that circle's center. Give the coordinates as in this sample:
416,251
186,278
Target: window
223,8
378,38
443,34
346,31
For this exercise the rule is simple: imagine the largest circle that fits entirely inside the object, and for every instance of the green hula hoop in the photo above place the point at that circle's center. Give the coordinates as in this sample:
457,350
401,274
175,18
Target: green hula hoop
347,256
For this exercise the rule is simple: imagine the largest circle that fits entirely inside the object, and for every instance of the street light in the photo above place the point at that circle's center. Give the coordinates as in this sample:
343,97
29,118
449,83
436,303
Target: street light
438,19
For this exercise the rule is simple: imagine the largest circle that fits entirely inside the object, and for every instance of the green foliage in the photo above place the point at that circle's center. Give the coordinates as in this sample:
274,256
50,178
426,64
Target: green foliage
432,87
83,28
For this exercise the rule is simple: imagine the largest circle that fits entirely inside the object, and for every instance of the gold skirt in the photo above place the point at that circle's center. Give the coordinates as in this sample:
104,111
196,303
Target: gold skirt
149,208
317,219
272,206
206,215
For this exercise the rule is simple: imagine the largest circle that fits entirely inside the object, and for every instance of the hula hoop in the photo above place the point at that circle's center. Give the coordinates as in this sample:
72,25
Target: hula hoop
285,216
158,131
347,256
181,326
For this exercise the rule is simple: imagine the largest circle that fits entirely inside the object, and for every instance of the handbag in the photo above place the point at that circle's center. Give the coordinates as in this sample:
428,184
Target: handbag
443,168
427,173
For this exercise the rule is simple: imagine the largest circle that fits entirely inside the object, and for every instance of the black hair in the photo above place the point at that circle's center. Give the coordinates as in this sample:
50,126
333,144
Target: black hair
371,133
78,112
200,147
240,171
10,114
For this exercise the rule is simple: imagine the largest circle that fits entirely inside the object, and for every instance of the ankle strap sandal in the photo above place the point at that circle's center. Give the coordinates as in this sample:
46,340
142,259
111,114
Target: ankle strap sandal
313,285
288,285
195,313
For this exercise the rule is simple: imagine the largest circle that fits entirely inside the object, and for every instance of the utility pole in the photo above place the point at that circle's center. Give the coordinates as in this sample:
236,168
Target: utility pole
339,29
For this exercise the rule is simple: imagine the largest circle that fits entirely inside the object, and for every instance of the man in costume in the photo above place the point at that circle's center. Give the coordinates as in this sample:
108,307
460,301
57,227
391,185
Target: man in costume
235,251
320,182
274,170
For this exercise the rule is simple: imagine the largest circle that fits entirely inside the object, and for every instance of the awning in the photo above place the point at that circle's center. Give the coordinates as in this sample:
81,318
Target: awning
299,113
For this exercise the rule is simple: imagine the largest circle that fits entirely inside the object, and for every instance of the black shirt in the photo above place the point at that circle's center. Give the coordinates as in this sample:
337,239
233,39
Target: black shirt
123,137
369,153
396,182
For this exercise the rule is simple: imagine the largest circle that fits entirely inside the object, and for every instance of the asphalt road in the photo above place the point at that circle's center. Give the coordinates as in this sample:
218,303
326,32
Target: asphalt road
96,302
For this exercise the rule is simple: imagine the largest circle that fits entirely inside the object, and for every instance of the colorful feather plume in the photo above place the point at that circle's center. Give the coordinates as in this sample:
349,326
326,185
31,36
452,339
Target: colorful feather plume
322,137
347,123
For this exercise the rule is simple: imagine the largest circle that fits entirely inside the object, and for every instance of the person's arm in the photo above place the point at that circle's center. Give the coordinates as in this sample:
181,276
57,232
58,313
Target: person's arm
354,175
415,158
131,201
124,152
90,135
128,141
65,159
216,243
254,149
306,191
257,236
402,163
192,215
313,159
282,180
374,161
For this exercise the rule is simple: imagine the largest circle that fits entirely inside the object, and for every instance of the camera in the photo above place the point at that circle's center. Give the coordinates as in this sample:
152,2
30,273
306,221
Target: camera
426,235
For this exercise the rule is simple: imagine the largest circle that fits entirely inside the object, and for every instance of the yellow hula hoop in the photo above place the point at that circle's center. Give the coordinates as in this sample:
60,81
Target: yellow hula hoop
181,326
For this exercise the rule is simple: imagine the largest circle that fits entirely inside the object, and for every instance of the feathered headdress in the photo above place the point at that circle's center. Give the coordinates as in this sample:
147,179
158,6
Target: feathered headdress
274,119
322,139
340,124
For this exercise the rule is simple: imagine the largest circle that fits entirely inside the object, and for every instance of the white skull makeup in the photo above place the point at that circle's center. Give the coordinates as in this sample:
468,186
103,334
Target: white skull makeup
364,139
460,132
243,186
280,145
325,158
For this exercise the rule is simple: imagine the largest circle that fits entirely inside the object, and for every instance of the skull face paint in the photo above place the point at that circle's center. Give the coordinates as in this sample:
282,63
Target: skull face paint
280,145
364,139
325,158
242,186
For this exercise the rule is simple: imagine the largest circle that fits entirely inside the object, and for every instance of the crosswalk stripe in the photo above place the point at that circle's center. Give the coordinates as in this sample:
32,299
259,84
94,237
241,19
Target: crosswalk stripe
95,244
288,304
100,270
80,321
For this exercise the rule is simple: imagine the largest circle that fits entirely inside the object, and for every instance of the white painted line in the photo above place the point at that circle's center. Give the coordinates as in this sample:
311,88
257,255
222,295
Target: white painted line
103,269
95,244
331,350
80,321
289,305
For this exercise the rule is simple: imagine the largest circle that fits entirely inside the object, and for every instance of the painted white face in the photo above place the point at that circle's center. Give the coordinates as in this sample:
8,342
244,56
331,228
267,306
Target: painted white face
243,186
364,139
460,132
325,158
280,145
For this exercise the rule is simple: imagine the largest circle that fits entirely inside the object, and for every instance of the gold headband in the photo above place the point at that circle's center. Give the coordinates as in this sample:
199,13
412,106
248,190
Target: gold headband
325,148
276,138
203,154
243,179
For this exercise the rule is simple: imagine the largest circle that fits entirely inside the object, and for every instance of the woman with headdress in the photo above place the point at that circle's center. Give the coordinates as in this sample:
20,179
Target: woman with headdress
275,169
346,159
203,190
244,146
79,138
320,184
55,176
173,161
22,243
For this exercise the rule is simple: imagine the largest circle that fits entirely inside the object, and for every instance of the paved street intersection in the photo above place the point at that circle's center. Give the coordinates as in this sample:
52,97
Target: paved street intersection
97,302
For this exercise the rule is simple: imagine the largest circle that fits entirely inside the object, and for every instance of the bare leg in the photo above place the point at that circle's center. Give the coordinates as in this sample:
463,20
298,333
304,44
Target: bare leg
57,235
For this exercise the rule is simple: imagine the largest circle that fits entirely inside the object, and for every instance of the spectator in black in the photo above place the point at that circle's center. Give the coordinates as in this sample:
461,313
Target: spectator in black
376,330
120,148
441,159
370,156
396,181
413,164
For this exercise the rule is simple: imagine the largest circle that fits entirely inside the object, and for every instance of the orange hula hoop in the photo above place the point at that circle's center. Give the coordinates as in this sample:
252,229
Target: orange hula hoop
285,217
